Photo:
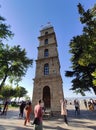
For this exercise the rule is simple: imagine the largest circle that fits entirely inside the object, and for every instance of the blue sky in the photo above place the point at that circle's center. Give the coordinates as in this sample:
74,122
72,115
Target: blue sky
26,18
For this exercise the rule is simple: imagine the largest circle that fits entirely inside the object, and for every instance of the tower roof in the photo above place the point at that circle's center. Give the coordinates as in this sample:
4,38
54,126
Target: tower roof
47,26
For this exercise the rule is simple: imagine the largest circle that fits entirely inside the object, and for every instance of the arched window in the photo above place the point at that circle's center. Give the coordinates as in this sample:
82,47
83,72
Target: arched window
46,69
46,41
46,53
46,33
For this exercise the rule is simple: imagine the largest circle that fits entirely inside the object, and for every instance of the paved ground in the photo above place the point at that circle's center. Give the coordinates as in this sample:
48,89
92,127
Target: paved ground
85,121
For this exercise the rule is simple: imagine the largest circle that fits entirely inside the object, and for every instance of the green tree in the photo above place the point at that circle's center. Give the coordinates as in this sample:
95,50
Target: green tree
7,92
27,97
5,31
89,54
13,60
13,63
20,92
1,97
83,50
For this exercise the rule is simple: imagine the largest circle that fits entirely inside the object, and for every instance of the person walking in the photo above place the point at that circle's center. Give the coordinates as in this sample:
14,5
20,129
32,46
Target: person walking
64,110
5,108
22,106
38,115
77,107
28,110
85,103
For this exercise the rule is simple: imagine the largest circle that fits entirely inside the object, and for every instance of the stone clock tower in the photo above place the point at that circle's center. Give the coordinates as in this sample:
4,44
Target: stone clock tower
48,81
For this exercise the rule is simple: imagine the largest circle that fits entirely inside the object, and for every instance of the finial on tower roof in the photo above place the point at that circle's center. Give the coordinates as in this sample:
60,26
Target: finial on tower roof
48,25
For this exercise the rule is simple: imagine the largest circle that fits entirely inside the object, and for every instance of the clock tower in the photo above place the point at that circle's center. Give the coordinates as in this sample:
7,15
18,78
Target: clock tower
48,81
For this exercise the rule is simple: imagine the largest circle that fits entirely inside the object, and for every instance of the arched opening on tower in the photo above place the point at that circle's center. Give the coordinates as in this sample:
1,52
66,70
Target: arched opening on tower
46,97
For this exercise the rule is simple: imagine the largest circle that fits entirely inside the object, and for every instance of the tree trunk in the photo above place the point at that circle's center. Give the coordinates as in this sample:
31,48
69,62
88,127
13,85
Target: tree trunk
3,81
94,89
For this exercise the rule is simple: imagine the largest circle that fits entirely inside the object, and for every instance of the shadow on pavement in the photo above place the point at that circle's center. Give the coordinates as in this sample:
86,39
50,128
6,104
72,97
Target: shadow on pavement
6,127
86,120
55,128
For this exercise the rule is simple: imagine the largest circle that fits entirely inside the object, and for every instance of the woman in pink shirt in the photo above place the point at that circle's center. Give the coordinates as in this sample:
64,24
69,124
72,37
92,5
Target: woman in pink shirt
38,114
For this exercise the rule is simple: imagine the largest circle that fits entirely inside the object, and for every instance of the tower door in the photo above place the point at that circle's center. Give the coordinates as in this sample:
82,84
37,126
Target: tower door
46,97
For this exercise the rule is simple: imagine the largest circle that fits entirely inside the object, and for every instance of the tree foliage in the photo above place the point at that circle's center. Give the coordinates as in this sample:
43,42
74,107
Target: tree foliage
83,50
7,92
14,63
5,31
13,60
20,92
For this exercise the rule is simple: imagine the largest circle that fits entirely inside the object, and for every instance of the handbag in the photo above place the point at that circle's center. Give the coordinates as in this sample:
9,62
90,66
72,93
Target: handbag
36,121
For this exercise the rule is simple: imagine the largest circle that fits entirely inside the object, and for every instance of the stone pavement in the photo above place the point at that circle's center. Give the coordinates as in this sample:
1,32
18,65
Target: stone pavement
85,121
